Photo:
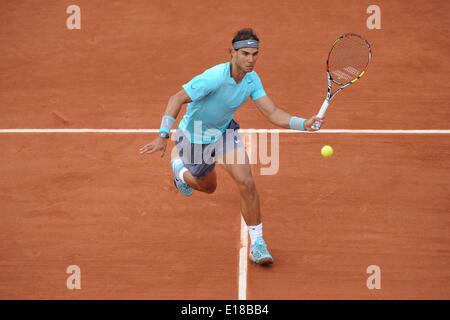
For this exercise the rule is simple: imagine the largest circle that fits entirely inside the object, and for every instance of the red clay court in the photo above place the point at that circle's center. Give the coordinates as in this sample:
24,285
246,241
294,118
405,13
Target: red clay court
90,199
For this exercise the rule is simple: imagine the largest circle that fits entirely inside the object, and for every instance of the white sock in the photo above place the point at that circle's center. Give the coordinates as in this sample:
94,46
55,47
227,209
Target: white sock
181,173
255,232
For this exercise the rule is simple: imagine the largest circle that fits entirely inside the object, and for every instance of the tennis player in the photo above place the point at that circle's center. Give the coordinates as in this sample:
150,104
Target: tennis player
207,132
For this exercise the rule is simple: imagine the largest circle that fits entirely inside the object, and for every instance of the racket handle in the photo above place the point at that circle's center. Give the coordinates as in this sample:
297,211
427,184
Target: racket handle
321,114
323,108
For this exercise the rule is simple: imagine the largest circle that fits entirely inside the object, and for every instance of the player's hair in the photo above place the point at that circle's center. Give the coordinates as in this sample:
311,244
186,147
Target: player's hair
245,34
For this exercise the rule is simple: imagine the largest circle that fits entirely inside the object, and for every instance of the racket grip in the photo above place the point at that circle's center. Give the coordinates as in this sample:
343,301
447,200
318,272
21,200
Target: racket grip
323,109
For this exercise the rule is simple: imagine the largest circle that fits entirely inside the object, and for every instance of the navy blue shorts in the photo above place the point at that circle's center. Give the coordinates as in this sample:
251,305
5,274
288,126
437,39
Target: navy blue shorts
200,159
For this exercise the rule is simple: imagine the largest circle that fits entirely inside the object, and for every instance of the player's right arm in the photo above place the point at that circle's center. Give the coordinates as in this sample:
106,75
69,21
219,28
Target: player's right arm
195,90
170,114
175,102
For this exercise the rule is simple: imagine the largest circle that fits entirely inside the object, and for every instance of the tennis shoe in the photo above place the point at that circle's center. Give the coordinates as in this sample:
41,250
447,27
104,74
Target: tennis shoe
259,253
177,165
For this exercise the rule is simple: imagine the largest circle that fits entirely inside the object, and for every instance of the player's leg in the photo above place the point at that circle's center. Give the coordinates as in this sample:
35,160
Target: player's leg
229,154
196,163
250,206
232,155
207,184
242,175
201,177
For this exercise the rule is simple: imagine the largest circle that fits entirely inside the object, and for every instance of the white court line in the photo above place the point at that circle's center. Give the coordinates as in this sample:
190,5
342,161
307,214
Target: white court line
323,131
243,256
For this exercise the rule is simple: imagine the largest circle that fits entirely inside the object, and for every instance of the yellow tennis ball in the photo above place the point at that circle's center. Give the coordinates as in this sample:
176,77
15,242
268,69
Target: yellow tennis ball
327,151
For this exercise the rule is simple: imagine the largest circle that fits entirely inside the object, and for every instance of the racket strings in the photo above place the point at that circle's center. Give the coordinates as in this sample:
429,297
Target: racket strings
349,57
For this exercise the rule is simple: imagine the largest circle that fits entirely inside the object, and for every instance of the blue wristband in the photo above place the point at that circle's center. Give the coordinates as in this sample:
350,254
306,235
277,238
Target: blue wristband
166,123
296,123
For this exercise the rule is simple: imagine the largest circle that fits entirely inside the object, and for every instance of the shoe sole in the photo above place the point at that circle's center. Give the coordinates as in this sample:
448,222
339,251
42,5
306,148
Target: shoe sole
175,184
263,262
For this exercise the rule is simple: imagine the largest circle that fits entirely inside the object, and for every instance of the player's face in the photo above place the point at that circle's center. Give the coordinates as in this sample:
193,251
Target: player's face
245,58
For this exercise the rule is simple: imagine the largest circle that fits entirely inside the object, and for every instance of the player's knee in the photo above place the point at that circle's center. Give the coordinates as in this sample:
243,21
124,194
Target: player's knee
210,188
247,185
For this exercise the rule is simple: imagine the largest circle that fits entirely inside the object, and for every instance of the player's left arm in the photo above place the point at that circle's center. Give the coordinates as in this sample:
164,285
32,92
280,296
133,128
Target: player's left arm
283,119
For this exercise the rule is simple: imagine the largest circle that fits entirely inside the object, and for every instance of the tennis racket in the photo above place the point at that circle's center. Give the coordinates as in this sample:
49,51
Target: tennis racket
347,62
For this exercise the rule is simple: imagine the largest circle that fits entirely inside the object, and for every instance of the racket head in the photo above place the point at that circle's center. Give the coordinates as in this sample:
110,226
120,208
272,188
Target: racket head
348,59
